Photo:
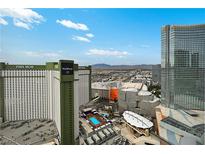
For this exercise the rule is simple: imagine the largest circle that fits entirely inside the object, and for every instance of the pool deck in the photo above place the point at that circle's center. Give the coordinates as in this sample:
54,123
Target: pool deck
94,120
98,117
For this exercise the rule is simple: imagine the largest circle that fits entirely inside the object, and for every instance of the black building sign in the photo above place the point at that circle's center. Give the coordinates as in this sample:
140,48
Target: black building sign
66,68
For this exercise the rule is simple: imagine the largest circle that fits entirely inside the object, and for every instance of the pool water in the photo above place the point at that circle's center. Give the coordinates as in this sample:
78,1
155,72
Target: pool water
94,121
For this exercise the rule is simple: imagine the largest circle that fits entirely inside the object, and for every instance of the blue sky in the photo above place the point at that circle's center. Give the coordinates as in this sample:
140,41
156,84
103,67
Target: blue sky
88,36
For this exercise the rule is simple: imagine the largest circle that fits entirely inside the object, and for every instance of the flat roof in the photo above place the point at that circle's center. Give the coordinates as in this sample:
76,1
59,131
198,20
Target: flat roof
130,89
100,85
192,130
37,131
46,66
182,116
86,125
126,85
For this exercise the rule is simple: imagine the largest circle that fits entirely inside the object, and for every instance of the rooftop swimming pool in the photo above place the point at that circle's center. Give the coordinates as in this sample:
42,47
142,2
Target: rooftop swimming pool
94,120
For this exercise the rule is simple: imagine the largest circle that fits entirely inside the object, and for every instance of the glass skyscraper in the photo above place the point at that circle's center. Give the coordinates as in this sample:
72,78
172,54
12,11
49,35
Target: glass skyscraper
183,66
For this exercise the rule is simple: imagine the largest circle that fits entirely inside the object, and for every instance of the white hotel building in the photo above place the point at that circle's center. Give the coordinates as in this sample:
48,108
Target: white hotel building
52,91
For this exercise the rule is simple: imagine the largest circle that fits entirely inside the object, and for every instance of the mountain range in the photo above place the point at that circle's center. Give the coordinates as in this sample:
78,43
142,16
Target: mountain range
106,66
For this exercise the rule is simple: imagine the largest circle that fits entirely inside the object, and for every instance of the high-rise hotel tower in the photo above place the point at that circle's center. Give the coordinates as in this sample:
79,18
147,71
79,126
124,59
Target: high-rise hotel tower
52,91
183,66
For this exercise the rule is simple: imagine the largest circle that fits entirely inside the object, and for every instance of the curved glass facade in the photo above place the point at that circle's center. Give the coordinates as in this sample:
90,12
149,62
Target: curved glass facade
183,66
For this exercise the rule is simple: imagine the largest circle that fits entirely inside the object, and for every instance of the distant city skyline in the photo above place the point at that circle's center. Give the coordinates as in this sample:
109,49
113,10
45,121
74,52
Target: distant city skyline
88,36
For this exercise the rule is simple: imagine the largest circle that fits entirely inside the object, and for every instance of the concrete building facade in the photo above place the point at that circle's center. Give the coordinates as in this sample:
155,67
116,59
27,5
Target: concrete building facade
48,91
84,74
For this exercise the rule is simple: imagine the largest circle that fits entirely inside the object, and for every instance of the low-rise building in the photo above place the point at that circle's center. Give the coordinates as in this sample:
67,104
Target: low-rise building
29,132
180,126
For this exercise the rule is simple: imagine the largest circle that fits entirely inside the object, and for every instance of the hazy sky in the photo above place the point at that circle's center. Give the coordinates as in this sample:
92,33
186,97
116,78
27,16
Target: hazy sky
88,36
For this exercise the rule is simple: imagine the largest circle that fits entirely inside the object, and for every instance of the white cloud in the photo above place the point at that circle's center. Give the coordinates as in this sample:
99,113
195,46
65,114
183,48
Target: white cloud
89,35
23,18
70,24
100,52
43,54
18,23
80,38
3,22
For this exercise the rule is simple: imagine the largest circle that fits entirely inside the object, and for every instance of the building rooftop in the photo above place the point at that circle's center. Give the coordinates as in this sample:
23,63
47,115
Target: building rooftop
183,116
137,120
195,130
100,85
130,90
134,139
86,126
172,122
144,93
28,132
126,85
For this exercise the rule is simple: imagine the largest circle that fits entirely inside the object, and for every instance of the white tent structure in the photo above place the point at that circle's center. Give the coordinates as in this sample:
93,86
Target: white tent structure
137,120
